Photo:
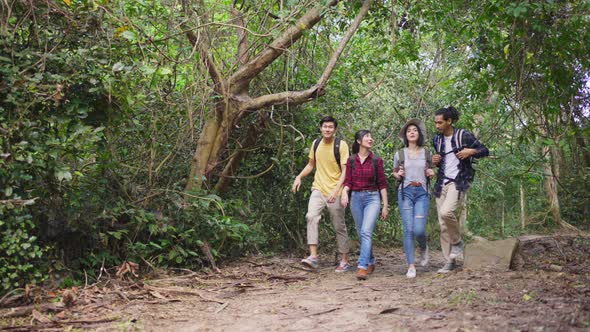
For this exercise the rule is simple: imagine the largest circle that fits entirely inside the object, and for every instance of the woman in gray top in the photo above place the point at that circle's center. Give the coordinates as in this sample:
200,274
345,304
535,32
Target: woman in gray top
413,170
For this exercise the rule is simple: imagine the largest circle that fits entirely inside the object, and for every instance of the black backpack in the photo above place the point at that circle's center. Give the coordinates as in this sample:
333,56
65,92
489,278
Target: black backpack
337,140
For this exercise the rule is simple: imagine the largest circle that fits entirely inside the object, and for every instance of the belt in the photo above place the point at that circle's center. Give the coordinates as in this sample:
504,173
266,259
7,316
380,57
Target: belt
415,184
366,190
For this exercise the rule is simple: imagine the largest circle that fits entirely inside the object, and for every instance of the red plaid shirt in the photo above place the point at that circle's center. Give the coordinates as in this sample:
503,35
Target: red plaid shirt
361,178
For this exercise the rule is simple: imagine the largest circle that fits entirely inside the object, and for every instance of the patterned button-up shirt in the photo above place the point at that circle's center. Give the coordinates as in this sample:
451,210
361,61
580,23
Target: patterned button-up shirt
466,172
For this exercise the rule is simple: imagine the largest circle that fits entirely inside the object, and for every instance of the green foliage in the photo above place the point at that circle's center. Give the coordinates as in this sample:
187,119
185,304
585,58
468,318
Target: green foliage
172,237
20,252
102,103
47,146
178,238
68,282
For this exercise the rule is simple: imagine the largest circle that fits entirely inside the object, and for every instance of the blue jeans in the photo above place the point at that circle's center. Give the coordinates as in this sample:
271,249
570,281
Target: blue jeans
365,206
413,207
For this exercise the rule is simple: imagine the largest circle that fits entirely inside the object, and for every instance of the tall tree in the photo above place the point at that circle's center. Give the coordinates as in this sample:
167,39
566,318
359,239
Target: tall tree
234,99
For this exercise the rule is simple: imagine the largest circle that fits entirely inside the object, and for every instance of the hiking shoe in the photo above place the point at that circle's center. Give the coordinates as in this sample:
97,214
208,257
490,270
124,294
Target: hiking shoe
311,262
456,250
424,256
362,274
411,272
371,268
343,267
448,267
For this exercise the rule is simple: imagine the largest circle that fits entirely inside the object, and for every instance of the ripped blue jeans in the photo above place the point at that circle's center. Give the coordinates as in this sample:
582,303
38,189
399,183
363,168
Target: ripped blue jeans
413,207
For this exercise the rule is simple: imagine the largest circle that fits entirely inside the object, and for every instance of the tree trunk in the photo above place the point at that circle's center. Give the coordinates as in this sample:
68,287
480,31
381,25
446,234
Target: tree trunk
522,207
551,170
234,161
235,99
583,147
550,184
212,140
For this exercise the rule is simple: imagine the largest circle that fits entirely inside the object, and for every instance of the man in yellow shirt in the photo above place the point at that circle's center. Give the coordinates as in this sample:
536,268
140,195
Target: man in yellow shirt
326,189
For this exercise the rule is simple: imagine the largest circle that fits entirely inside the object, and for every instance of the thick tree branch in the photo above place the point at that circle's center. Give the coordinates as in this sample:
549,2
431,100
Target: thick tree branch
241,88
242,36
278,47
298,97
349,33
202,44
287,97
201,47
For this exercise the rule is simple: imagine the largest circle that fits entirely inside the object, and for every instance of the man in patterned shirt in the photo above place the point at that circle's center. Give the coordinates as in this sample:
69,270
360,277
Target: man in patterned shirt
455,150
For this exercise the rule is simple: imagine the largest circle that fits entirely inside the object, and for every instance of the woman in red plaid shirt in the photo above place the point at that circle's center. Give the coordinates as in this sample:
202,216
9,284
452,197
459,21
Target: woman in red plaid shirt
365,179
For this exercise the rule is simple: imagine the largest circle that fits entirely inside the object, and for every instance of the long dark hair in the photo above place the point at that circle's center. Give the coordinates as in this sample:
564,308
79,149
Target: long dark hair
359,137
448,113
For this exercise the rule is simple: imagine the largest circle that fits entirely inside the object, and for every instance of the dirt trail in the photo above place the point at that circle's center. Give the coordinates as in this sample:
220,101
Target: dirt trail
259,294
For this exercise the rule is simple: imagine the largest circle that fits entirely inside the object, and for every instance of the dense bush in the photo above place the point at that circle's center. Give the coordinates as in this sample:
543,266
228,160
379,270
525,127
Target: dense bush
102,104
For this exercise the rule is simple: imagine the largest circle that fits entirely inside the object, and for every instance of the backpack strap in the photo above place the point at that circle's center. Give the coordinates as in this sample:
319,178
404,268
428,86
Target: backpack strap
316,143
458,139
401,157
438,144
337,151
337,140
428,157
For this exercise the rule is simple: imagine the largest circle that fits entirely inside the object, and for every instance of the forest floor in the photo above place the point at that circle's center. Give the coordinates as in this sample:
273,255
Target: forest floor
548,289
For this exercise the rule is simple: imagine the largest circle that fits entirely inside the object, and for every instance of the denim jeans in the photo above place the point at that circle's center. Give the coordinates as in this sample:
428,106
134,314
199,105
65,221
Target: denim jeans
365,207
413,207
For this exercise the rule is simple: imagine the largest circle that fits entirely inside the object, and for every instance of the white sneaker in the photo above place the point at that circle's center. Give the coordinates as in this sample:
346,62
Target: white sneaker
424,257
411,272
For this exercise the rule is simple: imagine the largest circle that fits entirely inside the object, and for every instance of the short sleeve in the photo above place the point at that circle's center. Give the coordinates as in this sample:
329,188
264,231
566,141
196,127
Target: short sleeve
344,154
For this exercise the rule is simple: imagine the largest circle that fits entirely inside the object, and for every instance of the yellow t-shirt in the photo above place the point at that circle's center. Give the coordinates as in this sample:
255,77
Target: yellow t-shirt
327,172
